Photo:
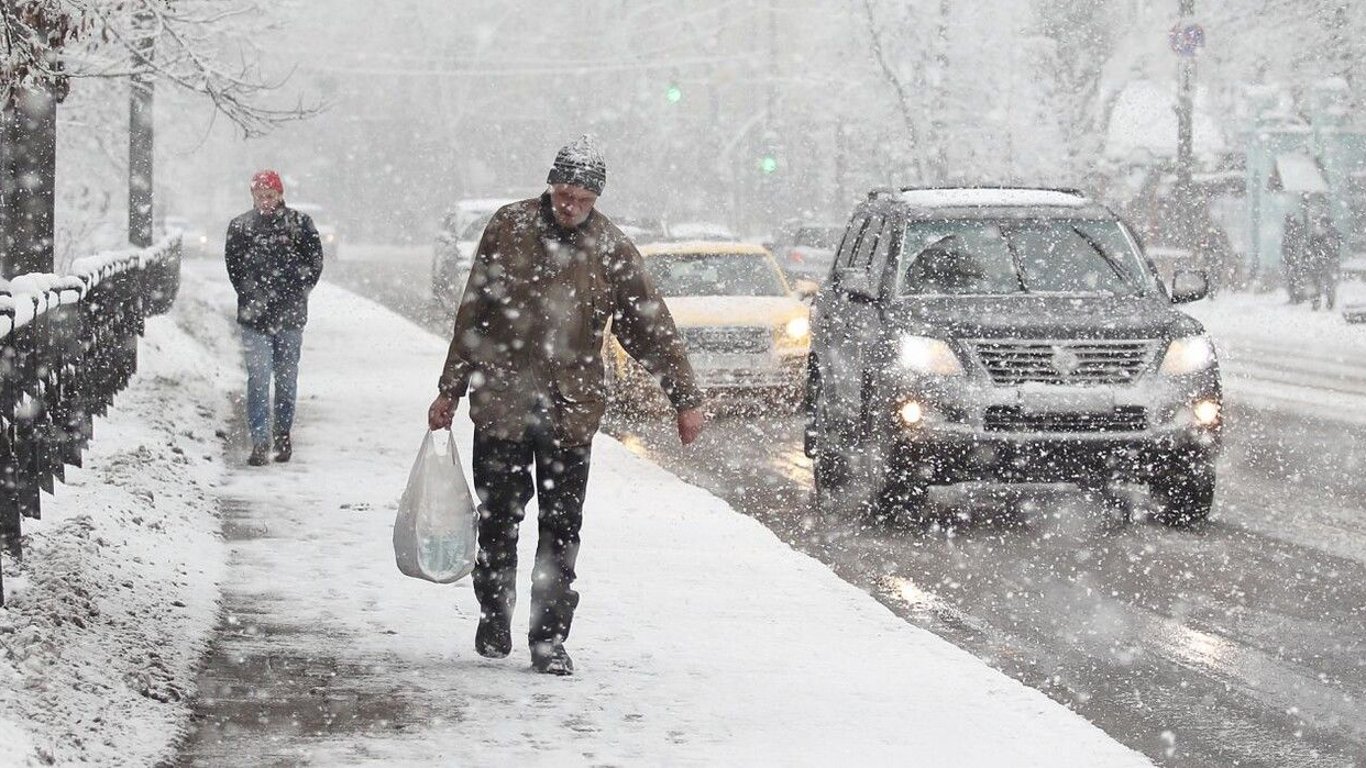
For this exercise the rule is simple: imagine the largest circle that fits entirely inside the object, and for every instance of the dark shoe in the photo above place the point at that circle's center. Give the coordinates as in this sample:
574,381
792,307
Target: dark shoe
551,659
493,638
284,449
260,455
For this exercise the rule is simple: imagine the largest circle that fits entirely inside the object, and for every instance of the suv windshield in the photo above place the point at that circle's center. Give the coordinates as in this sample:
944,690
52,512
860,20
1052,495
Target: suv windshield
968,256
715,274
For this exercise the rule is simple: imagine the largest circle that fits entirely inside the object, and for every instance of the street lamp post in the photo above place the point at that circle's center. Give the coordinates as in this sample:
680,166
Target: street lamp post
1186,39
1185,132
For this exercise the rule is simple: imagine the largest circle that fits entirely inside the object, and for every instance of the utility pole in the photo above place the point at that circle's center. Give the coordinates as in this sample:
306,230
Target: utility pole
140,136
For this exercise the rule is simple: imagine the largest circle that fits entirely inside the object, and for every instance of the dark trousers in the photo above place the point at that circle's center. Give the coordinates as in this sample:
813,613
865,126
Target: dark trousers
503,482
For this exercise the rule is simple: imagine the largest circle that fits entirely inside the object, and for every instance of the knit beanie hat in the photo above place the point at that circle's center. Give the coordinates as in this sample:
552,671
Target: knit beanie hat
581,164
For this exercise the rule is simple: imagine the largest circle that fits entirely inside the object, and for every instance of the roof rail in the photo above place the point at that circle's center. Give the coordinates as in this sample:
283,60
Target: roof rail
887,191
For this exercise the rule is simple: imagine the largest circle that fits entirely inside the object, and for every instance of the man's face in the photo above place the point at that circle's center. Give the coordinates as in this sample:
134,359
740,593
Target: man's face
266,199
571,204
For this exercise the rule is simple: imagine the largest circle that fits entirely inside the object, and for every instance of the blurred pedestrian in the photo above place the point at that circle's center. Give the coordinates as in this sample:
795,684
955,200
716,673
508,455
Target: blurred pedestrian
1323,256
548,276
1214,253
274,258
1294,237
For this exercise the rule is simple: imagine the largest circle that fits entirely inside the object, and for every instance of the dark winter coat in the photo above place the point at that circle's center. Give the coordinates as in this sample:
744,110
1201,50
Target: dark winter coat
1322,248
531,324
273,262
1293,242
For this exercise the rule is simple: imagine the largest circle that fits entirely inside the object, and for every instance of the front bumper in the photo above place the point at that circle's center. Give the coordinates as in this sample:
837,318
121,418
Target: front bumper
743,372
976,432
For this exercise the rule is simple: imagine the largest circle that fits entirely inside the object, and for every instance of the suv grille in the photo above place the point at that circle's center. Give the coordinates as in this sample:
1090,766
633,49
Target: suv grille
1009,418
727,339
1021,361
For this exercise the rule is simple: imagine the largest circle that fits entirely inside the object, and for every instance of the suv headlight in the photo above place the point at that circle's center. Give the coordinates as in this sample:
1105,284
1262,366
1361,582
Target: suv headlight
797,328
1188,355
922,354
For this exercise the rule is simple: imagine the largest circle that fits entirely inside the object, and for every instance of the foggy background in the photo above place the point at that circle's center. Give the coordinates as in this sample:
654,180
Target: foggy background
431,101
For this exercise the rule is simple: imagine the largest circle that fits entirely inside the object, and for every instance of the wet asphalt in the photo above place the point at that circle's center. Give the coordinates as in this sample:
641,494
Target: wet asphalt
1238,642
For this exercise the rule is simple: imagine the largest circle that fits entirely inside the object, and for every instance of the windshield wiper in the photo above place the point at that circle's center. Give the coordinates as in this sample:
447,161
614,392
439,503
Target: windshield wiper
1119,269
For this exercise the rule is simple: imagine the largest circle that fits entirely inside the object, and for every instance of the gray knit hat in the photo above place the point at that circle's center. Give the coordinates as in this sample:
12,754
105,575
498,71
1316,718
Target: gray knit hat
581,164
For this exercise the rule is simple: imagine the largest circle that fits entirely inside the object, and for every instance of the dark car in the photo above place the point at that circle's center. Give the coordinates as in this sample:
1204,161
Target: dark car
1006,335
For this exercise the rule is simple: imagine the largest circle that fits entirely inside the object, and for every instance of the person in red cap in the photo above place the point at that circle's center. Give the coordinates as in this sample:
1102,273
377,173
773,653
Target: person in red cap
274,258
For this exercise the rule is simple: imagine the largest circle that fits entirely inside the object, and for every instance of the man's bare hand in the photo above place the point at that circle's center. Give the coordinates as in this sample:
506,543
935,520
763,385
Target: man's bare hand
690,423
441,413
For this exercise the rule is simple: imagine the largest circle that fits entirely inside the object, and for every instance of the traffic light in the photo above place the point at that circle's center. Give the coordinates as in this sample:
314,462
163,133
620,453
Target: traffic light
768,164
674,94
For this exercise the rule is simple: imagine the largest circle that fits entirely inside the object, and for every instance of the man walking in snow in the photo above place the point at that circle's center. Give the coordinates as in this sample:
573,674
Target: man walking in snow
548,276
274,258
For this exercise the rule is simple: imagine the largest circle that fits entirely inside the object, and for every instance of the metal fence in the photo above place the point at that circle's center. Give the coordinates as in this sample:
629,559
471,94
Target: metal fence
68,344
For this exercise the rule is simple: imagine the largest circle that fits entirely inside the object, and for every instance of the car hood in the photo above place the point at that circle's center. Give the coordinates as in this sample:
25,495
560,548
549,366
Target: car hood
700,311
1042,317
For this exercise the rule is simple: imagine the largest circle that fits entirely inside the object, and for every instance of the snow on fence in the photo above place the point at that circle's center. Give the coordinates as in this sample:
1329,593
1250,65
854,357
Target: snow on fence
68,344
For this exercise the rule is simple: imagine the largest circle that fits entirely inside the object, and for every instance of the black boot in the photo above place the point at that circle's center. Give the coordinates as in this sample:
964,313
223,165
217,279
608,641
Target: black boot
260,455
284,449
493,638
551,658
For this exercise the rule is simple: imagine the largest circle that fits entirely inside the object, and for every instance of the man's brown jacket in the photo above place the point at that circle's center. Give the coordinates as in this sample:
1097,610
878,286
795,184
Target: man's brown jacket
530,328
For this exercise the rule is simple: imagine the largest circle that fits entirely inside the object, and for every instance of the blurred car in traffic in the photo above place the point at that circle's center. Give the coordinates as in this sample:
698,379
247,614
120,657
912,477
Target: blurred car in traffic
453,250
745,329
327,228
1006,335
690,231
641,229
810,251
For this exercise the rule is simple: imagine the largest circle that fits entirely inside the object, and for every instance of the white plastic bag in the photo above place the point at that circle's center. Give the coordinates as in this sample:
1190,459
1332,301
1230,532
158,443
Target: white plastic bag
436,532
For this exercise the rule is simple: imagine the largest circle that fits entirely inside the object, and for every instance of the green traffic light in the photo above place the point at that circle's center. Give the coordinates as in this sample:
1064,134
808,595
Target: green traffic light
674,94
768,164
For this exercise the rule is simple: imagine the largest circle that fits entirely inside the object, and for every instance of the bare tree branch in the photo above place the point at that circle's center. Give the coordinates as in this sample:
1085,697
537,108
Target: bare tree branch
903,98
51,40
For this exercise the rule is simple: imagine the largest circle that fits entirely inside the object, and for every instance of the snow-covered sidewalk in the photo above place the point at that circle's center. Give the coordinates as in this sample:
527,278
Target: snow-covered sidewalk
701,638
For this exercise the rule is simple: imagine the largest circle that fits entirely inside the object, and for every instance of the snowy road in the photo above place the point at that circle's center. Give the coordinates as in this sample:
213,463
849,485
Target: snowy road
1240,643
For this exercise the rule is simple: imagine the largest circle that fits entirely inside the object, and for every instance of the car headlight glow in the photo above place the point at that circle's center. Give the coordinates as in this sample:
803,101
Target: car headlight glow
797,328
911,413
1188,355
922,354
1206,412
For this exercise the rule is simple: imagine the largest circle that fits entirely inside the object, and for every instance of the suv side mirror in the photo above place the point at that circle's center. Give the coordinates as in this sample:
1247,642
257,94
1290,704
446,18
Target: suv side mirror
1189,285
805,290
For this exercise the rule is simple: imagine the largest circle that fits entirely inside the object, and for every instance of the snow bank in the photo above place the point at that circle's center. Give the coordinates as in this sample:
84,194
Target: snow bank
116,597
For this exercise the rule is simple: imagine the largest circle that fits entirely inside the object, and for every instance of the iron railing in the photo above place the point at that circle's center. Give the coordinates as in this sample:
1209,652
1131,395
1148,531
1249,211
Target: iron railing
68,344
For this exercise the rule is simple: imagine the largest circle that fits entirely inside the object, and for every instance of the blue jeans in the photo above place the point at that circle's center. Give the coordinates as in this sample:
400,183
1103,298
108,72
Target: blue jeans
271,356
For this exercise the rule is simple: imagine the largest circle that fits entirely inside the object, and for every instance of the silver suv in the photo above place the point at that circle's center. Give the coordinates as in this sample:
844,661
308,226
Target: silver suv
1006,335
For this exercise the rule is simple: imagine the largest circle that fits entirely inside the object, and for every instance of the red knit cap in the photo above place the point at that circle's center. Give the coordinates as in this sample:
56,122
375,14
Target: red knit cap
268,180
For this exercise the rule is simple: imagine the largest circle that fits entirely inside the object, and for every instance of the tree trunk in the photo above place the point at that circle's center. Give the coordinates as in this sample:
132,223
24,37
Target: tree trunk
28,174
140,146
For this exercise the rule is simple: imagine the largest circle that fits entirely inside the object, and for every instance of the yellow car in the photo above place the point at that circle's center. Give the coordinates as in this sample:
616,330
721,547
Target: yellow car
745,328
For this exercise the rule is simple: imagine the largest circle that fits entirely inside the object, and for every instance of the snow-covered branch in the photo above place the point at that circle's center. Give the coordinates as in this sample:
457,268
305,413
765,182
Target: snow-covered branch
195,45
